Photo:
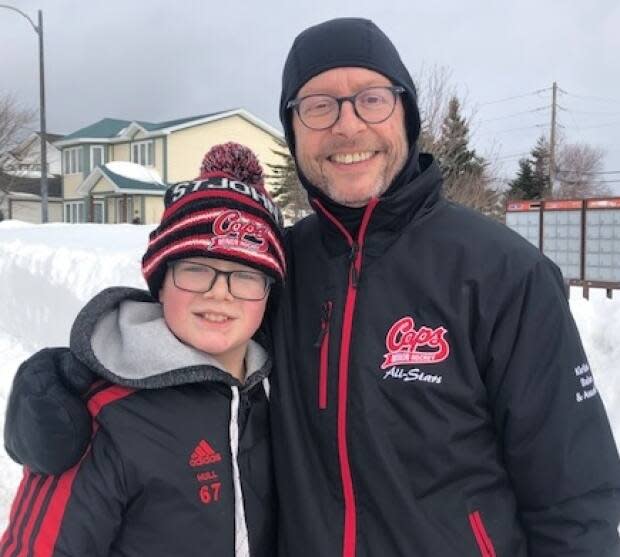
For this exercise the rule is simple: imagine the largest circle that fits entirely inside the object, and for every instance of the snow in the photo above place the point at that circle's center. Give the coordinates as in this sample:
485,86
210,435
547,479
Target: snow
48,272
134,171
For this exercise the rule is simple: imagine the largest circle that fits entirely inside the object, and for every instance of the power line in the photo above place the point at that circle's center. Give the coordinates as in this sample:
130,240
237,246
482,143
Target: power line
516,114
591,172
608,124
590,112
582,181
517,129
515,97
590,97
514,156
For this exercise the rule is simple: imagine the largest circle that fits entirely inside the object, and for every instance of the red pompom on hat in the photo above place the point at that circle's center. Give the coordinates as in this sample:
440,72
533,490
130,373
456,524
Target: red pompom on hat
226,213
235,160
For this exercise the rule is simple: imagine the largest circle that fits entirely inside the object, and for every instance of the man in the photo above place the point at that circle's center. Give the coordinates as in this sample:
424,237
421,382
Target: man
432,397
429,367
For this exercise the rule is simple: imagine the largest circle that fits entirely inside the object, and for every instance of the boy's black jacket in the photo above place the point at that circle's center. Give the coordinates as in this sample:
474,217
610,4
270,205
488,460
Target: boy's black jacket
158,476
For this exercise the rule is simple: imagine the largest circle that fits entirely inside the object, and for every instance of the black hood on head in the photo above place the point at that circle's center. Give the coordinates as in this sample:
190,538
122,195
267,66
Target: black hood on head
345,42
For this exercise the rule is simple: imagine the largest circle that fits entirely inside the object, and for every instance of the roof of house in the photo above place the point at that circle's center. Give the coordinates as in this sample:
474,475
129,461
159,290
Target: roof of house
170,123
125,183
51,137
108,127
111,130
111,127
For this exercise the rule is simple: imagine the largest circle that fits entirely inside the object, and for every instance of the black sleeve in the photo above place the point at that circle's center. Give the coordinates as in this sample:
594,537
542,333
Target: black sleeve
557,443
47,426
78,513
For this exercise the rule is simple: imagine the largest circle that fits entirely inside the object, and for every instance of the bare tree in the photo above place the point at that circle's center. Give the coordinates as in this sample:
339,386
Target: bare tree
15,122
577,168
476,191
434,93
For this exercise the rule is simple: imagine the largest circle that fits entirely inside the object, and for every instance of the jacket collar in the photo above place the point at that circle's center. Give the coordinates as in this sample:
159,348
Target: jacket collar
405,201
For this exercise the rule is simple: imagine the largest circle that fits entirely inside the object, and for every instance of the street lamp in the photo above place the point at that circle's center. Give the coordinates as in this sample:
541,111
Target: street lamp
39,31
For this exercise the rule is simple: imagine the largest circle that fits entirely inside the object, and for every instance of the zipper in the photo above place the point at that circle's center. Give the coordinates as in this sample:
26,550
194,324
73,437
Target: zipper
480,533
323,344
349,541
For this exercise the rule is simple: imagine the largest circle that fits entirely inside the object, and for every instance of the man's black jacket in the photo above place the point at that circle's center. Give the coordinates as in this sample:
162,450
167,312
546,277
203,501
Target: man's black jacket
432,397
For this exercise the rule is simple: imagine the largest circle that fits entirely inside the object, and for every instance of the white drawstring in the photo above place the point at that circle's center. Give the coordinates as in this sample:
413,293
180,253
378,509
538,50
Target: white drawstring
267,387
242,545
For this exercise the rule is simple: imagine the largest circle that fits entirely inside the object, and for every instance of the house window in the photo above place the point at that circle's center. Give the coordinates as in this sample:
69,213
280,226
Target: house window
74,211
143,152
72,160
96,156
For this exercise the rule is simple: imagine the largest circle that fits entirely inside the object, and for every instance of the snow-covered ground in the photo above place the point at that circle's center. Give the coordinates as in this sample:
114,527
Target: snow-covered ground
47,272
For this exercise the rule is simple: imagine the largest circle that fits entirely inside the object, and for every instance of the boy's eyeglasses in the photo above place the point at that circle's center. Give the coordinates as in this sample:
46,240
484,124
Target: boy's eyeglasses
373,105
251,286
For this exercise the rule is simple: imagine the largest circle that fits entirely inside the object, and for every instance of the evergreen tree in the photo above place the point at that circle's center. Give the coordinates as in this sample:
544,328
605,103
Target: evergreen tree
532,181
522,187
466,180
541,186
286,189
454,155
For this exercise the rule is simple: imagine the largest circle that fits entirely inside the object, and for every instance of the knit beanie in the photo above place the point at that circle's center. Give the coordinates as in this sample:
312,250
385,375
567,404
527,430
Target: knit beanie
345,42
225,213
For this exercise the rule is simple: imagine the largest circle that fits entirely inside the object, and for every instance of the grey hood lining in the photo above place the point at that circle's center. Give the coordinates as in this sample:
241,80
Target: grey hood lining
122,336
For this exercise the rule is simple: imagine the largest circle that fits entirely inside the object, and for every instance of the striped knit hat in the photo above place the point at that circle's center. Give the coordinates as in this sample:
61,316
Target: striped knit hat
219,216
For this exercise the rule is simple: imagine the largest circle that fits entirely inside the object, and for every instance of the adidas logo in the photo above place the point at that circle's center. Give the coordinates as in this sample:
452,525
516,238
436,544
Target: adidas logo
204,454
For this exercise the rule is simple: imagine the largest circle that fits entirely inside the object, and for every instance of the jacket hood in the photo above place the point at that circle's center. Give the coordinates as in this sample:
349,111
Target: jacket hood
121,336
339,43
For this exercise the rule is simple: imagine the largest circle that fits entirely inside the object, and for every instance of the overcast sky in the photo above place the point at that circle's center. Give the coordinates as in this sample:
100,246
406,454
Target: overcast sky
156,60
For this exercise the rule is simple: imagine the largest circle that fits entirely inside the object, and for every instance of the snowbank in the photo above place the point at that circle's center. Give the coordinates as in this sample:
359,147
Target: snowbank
48,271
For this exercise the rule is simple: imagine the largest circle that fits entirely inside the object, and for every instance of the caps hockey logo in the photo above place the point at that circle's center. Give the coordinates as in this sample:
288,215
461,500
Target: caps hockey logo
407,345
233,229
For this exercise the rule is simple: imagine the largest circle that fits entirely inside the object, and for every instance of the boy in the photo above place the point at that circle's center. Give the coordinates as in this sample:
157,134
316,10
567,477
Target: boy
179,462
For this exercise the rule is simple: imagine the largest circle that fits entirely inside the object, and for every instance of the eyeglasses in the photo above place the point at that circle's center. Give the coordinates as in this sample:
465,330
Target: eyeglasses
373,105
199,278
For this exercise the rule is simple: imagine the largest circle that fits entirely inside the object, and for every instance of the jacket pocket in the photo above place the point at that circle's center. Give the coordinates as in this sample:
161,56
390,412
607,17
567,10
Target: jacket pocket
322,344
480,533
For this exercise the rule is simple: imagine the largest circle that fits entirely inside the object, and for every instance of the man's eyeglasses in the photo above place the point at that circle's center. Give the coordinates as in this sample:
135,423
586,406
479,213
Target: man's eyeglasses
373,105
199,278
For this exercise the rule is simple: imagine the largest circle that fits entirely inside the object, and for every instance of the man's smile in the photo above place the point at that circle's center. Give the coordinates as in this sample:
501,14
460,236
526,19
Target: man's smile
350,158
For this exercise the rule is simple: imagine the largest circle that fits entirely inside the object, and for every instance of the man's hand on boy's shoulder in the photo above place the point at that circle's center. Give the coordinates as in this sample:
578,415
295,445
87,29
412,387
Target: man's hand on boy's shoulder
47,425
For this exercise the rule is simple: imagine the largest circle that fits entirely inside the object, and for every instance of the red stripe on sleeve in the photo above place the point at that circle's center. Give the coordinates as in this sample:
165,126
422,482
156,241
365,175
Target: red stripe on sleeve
107,396
36,511
47,535
50,527
25,493
16,502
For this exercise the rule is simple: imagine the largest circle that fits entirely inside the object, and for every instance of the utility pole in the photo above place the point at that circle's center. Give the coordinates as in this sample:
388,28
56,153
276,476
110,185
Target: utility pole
552,135
39,31
44,187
